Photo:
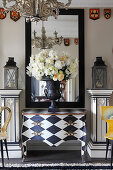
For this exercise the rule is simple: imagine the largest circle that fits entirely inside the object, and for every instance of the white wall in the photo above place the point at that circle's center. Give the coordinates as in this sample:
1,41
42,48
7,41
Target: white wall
98,42
12,44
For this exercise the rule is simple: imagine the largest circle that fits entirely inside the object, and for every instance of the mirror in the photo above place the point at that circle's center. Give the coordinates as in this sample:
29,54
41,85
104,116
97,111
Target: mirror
69,25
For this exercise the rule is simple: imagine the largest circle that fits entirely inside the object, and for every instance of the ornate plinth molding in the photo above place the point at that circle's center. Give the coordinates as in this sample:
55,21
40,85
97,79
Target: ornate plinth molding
98,126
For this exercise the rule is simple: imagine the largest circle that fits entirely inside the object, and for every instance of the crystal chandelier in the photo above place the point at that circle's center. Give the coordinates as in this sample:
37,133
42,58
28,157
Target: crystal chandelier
45,42
36,10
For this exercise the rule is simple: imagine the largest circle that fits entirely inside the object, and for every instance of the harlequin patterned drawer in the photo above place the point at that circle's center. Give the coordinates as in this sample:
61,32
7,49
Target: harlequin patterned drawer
53,129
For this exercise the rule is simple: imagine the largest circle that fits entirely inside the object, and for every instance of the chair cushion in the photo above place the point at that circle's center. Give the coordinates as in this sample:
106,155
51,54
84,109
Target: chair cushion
109,133
3,137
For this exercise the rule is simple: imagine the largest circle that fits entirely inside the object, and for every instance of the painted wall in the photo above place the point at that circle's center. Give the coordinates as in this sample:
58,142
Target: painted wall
98,42
12,44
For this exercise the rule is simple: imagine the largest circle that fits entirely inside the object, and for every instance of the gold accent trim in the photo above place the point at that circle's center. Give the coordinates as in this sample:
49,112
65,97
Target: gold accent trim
70,133
37,123
70,122
37,133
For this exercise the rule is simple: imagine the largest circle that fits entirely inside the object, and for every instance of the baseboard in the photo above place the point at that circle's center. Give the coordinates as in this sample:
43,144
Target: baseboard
96,150
14,151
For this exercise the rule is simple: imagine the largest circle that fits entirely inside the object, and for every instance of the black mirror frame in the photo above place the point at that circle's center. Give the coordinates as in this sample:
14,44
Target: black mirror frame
80,103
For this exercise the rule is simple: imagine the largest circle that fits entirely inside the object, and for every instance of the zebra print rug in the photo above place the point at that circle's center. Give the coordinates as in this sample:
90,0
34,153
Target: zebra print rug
58,166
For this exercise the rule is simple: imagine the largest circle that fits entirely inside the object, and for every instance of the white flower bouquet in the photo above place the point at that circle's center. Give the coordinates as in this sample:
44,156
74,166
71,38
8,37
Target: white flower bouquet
48,64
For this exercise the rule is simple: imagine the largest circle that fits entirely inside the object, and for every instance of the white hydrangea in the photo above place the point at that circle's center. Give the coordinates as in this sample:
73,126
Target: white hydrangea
53,55
47,72
41,65
49,61
59,64
50,64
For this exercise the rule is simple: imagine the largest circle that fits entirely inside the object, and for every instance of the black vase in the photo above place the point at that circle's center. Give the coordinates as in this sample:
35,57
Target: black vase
52,92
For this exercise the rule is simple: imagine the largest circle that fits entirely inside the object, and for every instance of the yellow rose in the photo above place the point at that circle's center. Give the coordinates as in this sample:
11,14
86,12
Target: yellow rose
55,77
60,77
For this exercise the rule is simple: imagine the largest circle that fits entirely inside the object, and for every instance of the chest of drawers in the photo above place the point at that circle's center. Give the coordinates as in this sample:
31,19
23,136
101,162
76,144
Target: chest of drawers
54,128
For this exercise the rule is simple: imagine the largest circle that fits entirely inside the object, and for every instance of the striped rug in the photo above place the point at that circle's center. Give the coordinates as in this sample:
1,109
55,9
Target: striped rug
57,166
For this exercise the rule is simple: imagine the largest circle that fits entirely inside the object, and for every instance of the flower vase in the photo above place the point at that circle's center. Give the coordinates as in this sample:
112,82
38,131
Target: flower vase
52,92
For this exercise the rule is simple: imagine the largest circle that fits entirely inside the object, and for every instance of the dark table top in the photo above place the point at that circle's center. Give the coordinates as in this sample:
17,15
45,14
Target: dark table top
62,111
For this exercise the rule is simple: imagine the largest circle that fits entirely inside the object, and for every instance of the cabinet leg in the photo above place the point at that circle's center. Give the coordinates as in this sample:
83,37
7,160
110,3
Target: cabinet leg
83,158
23,158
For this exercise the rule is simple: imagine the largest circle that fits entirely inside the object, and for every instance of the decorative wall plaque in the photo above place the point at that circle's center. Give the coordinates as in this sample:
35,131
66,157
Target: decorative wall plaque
94,14
14,15
2,13
107,13
66,41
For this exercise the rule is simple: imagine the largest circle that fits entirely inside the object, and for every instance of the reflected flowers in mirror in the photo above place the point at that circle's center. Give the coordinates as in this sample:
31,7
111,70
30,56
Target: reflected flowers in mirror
49,64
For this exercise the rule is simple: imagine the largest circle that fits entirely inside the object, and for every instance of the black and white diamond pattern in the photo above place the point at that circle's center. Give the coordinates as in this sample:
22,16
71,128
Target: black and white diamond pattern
54,129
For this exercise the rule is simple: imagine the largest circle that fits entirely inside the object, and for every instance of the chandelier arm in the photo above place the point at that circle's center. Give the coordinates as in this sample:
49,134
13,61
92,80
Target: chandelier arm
51,8
16,6
45,42
36,10
68,4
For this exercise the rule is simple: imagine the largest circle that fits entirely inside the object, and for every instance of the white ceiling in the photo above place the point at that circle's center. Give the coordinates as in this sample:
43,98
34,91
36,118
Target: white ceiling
86,3
90,3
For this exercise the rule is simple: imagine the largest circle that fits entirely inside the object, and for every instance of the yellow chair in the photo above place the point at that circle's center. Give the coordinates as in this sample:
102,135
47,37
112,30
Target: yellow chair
3,133
107,115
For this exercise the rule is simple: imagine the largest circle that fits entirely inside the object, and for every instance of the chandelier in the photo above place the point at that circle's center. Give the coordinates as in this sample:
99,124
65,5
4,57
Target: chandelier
36,10
45,42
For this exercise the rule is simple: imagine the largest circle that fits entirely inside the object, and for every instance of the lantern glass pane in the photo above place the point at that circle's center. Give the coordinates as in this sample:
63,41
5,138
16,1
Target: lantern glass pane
99,78
10,78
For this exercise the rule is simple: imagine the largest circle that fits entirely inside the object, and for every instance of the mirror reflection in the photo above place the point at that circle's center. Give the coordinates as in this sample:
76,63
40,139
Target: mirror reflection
62,36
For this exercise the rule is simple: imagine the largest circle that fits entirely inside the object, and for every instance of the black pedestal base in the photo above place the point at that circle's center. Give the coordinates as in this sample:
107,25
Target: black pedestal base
53,107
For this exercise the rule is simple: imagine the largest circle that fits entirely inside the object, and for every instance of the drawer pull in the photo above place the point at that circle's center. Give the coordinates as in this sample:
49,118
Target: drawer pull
70,122
70,133
37,133
37,123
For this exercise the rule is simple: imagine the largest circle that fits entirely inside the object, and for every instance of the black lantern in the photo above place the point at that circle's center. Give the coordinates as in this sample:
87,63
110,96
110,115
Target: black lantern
11,74
99,74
